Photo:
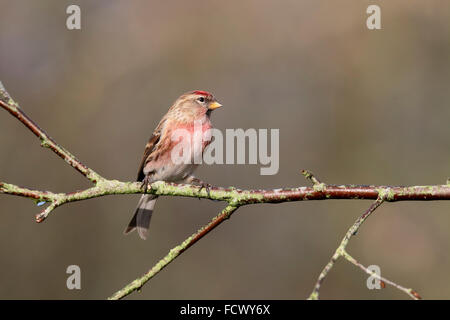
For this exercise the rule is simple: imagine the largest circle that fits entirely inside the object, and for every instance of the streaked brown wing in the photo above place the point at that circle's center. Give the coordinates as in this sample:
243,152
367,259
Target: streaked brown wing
149,148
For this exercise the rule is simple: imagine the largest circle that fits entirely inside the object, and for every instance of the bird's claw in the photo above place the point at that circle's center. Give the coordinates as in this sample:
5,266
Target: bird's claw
205,186
145,183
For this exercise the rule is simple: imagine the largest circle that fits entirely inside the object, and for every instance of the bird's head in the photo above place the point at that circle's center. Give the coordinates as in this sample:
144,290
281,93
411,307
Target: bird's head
196,103
204,99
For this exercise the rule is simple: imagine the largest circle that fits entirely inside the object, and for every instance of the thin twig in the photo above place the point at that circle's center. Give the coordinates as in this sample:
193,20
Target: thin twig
309,176
410,292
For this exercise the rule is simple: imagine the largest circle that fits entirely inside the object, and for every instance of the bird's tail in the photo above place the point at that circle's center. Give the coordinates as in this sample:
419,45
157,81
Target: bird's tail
142,216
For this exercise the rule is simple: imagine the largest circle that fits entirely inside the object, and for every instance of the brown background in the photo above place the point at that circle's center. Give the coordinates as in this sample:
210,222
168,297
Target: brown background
352,105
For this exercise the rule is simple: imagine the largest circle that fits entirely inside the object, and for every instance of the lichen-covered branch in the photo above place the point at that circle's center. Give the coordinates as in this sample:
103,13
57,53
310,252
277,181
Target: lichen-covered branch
7,103
235,198
175,252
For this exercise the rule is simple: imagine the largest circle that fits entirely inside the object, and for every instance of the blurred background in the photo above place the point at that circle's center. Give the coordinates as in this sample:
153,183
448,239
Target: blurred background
354,106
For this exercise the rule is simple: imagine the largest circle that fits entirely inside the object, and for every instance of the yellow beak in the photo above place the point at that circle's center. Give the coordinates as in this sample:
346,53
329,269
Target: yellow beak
214,105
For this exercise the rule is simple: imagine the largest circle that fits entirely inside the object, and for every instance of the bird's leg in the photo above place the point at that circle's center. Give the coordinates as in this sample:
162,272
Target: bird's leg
145,182
202,184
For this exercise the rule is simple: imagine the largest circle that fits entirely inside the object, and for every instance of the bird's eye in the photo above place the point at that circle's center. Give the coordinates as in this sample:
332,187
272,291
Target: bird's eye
201,99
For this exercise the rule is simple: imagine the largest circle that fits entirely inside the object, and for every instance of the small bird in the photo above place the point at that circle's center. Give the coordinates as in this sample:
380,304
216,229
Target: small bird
189,112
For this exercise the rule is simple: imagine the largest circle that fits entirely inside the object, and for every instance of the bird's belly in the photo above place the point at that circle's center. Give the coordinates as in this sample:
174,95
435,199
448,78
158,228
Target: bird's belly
174,173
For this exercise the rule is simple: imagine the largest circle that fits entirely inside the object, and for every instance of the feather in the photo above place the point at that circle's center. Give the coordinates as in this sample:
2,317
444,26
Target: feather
142,216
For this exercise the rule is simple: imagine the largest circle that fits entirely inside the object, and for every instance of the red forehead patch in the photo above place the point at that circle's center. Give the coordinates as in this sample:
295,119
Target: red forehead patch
202,93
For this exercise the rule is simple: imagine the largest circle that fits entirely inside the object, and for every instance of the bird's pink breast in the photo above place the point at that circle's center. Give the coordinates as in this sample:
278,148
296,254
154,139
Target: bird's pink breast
205,135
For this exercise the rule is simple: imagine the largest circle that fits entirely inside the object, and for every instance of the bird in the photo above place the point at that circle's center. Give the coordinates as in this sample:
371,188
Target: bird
191,111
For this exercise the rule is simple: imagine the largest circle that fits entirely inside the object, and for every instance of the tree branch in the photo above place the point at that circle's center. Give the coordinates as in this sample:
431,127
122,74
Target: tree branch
174,253
235,198
7,103
341,252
